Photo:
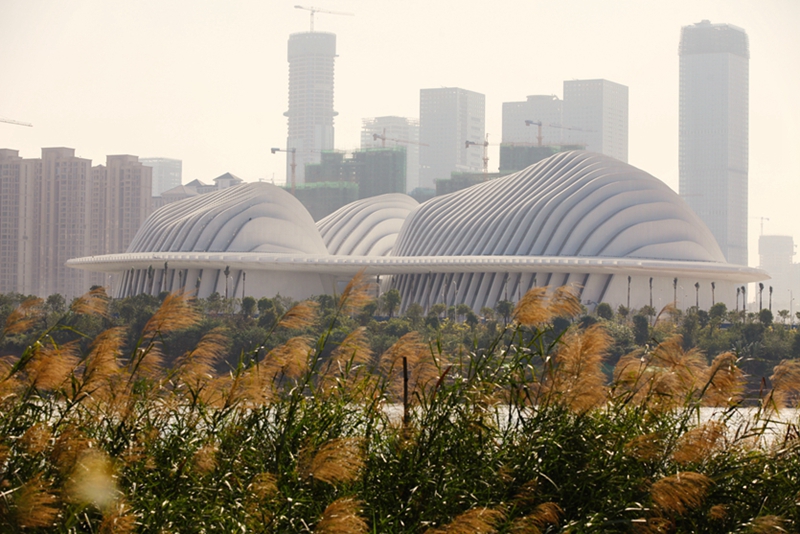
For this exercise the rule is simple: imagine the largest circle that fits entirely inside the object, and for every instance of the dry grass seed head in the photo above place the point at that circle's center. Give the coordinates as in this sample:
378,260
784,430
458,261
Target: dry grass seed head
23,317
36,439
646,447
197,367
786,384
725,381
119,520
95,302
532,309
68,447
718,512
698,444
680,492
147,361
354,347
474,521
548,513
409,346
355,295
337,461
300,316
767,524
342,516
36,504
52,365
92,480
205,459
264,486
177,312
291,358
578,378
564,302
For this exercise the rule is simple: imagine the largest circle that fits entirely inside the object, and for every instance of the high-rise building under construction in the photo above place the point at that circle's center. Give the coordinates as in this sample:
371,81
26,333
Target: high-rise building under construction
713,140
311,56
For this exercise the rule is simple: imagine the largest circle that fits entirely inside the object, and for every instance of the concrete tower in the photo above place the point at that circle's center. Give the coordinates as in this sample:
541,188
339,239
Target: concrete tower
714,81
311,57
596,115
448,118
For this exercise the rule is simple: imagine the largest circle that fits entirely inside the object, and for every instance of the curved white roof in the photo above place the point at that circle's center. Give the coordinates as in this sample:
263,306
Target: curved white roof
367,227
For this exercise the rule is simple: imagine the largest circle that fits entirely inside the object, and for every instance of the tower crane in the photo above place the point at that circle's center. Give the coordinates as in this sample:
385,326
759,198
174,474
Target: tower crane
293,152
313,10
18,123
539,133
383,139
485,145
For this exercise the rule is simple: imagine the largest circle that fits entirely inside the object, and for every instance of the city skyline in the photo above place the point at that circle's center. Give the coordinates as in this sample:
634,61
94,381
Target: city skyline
207,84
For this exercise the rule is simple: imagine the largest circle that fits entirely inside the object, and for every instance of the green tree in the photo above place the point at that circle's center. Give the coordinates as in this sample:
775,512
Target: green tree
604,311
505,308
391,300
765,316
248,306
641,329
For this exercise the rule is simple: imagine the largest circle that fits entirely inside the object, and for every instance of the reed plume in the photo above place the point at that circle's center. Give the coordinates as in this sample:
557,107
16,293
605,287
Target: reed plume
532,309
646,447
354,348
36,504
578,379
177,312
785,384
23,317
36,439
95,302
291,358
101,367
474,521
205,458
699,444
336,462
565,302
548,513
51,365
197,367
300,316
718,512
92,480
680,492
725,382
355,295
264,486
119,520
342,516
767,524
68,447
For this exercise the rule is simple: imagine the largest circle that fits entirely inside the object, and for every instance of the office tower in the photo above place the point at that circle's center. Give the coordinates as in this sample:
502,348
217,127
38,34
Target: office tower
448,118
596,115
166,173
713,140
311,56
519,119
397,131
775,256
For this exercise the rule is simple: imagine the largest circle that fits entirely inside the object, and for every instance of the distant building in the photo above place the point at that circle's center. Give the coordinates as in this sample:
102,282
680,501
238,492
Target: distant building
166,173
595,114
369,172
397,131
448,118
60,207
311,57
713,132
776,253
519,120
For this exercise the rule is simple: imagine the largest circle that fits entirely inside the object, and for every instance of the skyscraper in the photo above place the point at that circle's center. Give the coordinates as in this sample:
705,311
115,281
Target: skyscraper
714,80
166,173
537,108
398,131
596,115
311,57
448,118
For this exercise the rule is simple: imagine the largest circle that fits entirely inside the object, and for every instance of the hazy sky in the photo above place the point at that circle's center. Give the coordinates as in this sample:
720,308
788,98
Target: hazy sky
206,81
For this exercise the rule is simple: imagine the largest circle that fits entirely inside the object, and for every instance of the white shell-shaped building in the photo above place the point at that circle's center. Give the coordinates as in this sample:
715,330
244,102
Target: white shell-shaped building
614,232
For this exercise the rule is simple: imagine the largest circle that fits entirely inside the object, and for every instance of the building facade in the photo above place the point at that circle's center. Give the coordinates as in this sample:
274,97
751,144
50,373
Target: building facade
713,131
167,173
311,57
595,115
520,118
391,132
448,118
776,257
59,207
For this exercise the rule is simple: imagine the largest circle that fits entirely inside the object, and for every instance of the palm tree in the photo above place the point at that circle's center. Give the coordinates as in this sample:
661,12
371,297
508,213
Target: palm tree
770,298
675,291
697,295
760,299
713,287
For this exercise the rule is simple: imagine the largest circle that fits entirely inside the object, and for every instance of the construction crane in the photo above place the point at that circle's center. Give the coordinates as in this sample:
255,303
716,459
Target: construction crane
485,145
293,152
18,123
539,134
313,10
383,139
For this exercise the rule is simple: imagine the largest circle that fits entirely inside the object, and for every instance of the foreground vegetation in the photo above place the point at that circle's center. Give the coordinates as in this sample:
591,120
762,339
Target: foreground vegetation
328,423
